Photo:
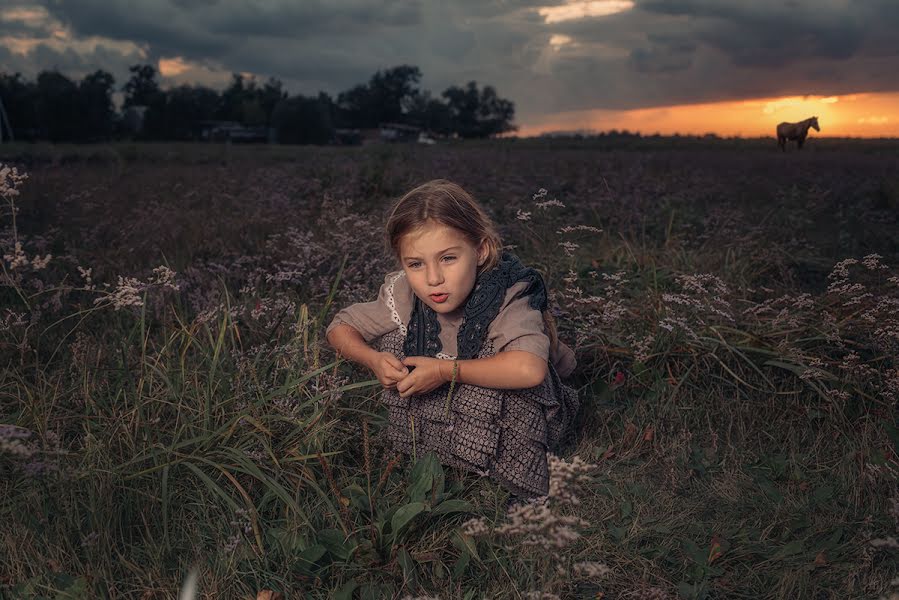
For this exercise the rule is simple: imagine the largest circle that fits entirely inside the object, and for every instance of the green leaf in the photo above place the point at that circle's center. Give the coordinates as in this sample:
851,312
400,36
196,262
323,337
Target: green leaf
426,473
310,556
404,515
791,549
288,542
337,544
833,540
626,508
466,544
617,533
461,565
693,551
408,566
822,494
452,506
346,592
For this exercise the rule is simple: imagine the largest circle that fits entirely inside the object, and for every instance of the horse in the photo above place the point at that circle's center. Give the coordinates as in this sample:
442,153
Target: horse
795,131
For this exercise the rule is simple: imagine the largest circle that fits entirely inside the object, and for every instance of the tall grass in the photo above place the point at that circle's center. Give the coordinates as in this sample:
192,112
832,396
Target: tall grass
168,405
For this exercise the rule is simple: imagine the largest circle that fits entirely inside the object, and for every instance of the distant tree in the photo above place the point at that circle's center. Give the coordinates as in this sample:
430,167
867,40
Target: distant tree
302,120
58,107
141,89
186,108
233,98
431,114
387,97
270,95
245,102
20,100
98,112
478,114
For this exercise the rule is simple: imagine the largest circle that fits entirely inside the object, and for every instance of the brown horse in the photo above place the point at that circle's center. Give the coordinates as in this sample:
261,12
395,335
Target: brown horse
795,131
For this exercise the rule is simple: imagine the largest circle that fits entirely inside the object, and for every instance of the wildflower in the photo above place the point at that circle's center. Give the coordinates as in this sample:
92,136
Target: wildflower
164,276
571,228
569,247
546,204
17,259
126,293
592,570
86,275
14,440
523,215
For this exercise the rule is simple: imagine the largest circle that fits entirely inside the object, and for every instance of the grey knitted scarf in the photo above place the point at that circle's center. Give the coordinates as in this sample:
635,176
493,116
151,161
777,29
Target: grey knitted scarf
482,306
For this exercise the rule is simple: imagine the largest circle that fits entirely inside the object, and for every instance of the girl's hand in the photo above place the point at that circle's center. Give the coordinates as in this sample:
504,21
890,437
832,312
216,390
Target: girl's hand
388,369
429,374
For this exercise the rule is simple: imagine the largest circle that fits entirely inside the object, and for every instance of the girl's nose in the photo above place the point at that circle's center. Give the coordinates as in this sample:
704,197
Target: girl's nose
435,276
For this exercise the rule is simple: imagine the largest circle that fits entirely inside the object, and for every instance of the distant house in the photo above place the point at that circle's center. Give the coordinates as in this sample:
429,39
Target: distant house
384,133
398,132
225,131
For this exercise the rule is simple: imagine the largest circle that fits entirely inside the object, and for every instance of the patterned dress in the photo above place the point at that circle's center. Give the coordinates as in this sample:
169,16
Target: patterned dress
504,434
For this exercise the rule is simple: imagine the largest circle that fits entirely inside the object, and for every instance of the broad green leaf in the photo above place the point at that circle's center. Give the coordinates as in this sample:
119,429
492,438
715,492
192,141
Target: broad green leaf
466,544
452,506
794,547
337,544
692,550
346,592
408,566
822,494
424,475
404,515
310,556
461,565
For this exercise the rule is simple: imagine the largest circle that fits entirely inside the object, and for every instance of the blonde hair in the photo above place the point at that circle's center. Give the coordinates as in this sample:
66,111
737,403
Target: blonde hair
447,203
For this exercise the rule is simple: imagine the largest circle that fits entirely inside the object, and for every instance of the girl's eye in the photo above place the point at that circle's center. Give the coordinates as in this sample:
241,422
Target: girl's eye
415,265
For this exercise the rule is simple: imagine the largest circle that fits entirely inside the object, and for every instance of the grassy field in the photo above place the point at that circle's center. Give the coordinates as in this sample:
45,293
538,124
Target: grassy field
169,411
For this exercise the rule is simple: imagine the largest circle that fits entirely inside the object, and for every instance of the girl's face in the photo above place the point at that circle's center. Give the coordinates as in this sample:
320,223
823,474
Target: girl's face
441,265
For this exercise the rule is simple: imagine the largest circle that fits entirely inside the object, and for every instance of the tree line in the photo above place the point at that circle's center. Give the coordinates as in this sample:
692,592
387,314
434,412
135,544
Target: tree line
56,108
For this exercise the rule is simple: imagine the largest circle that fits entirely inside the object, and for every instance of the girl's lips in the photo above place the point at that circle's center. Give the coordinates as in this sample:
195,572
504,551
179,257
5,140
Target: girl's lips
439,298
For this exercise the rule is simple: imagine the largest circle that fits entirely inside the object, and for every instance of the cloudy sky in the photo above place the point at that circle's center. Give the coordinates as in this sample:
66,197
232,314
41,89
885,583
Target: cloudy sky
690,66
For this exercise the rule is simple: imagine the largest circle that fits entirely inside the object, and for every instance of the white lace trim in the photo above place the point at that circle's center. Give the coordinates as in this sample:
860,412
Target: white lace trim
395,316
391,303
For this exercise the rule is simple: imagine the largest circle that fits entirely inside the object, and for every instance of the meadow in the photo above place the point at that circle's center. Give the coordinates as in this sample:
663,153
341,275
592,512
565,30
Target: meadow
171,415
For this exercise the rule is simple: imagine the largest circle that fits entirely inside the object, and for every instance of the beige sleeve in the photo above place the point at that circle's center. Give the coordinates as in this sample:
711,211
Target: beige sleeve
390,311
518,326
564,360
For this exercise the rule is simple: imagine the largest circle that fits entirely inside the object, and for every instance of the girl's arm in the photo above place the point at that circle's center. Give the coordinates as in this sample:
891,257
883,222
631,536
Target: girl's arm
510,370
350,344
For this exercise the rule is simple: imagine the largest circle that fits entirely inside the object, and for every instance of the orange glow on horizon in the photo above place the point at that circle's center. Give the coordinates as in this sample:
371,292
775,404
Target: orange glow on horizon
855,115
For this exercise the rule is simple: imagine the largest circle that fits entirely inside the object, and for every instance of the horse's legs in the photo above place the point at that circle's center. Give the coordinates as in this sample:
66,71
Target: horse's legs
799,142
782,142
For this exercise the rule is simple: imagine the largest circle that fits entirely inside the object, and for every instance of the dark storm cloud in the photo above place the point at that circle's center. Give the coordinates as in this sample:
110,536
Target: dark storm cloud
69,62
661,52
175,25
23,29
769,33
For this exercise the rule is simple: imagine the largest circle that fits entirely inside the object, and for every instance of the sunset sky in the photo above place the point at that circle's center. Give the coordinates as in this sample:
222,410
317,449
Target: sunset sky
729,67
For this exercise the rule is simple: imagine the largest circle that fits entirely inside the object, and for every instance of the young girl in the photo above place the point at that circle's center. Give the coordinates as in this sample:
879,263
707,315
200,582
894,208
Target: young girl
463,344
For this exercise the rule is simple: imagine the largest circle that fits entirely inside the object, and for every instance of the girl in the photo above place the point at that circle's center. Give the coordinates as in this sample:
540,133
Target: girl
463,344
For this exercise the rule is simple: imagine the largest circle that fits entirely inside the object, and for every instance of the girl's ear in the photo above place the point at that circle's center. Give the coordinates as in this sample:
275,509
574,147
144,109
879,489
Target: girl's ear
483,252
